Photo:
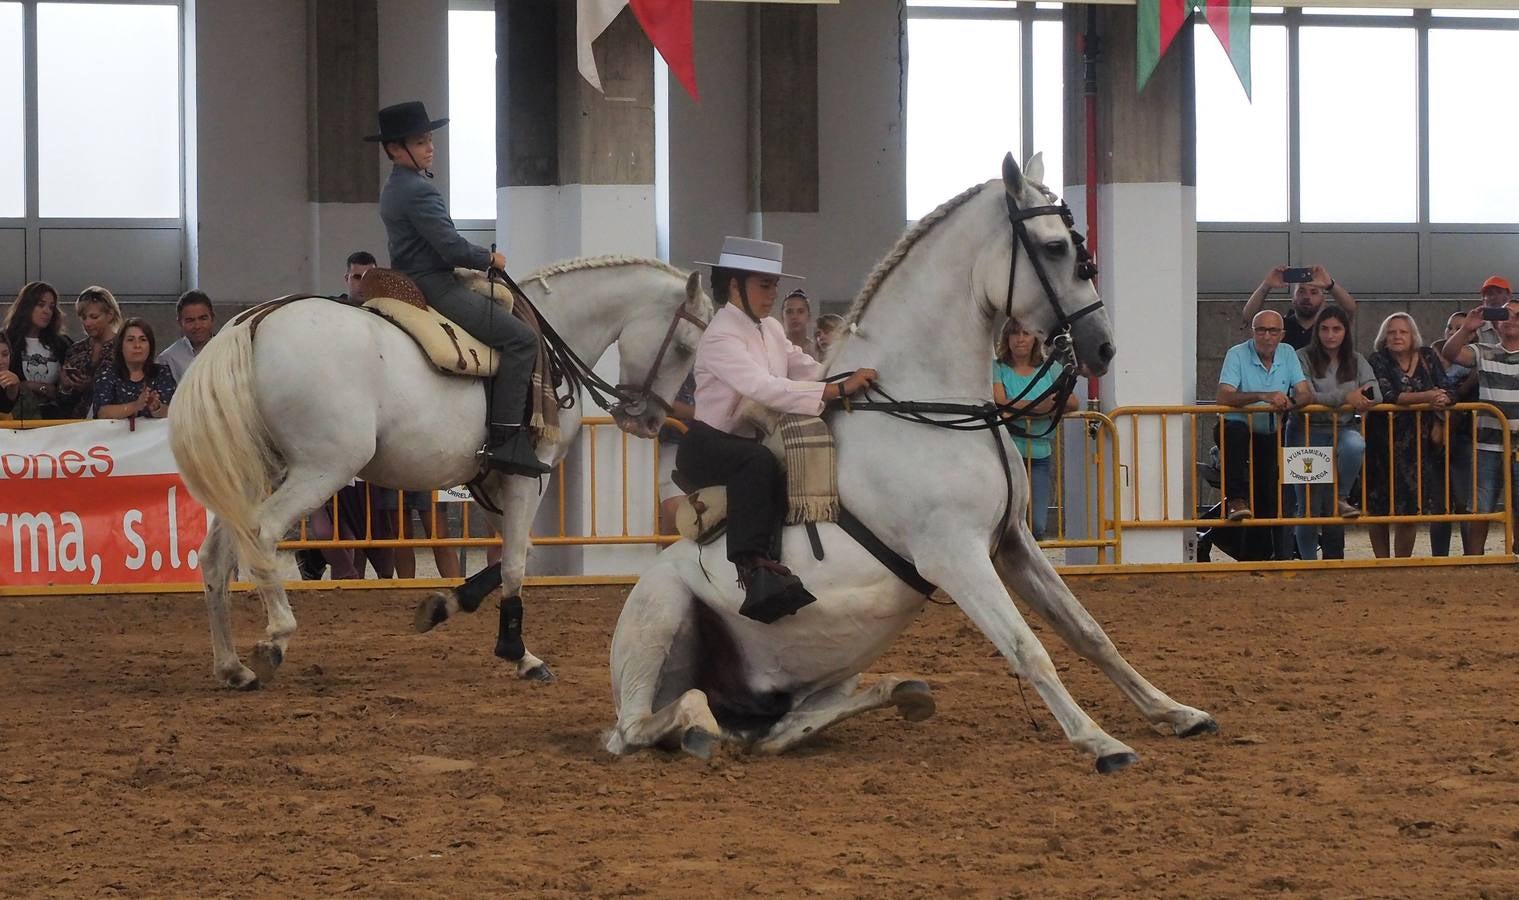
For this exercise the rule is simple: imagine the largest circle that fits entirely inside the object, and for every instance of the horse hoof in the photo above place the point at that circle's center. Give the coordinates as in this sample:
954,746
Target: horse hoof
914,700
1113,762
539,674
242,680
266,660
1206,726
431,613
698,742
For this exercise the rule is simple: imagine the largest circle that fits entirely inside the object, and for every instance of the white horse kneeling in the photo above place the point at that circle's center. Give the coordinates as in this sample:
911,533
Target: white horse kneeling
688,670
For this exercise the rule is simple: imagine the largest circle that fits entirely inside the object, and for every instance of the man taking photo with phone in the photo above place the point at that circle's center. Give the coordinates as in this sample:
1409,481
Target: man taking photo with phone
1311,288
1496,295
1496,363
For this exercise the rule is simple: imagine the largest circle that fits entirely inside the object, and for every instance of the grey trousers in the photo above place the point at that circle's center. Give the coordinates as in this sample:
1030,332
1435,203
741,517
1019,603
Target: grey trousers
497,328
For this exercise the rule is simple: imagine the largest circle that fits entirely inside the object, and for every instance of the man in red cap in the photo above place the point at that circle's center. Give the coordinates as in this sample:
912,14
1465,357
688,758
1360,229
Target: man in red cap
1496,293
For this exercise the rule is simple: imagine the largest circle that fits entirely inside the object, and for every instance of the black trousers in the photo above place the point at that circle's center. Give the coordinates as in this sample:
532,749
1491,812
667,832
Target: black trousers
755,483
1257,541
496,328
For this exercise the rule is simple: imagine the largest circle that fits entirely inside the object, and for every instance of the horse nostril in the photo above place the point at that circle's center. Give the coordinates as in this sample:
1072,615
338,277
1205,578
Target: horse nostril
1107,352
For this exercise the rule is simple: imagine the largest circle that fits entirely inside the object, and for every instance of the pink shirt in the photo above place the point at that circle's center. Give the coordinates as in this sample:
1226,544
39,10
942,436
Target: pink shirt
738,359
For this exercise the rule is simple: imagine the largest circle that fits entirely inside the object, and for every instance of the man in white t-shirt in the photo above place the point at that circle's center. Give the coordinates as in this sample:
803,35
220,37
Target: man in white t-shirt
197,322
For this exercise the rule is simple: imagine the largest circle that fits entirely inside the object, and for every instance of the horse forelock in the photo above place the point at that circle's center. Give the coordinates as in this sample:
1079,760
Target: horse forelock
905,243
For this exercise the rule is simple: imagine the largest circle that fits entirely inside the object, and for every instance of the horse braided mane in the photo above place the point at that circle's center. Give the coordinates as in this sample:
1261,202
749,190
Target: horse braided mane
904,244
598,262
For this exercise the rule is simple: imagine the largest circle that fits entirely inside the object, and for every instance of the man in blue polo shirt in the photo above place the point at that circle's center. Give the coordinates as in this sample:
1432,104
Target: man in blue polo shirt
1262,375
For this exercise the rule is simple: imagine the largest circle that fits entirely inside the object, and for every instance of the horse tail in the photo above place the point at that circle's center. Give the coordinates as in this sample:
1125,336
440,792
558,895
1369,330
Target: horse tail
221,443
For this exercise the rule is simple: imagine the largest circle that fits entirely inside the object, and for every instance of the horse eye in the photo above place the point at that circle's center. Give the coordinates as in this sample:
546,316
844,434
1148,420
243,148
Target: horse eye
1055,248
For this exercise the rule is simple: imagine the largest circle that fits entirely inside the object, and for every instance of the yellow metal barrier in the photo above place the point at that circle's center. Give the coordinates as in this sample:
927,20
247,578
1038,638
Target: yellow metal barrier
1177,506
1110,473
1095,525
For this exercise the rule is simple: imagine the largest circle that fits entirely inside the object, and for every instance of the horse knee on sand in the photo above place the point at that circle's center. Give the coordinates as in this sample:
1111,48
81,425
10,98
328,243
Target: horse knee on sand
681,651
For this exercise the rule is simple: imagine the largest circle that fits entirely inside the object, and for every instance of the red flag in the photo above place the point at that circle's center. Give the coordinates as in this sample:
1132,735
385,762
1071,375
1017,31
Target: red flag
1159,21
668,25
1230,21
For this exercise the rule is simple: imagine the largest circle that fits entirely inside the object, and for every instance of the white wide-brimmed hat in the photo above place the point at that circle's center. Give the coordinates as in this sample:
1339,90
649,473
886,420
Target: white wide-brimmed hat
751,255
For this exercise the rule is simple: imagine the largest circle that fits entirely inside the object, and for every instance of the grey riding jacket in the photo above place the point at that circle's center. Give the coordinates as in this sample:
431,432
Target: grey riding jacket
421,237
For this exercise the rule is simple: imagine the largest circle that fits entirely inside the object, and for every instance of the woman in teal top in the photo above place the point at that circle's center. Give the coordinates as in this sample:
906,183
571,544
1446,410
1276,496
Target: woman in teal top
1018,360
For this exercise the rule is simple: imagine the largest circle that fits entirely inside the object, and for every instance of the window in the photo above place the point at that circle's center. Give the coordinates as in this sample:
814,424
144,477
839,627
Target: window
12,115
108,135
1472,177
974,95
963,106
1242,142
1358,137
1049,103
472,113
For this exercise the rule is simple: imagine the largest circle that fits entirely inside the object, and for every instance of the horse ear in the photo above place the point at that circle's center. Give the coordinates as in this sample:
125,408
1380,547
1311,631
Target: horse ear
693,291
1012,178
1033,170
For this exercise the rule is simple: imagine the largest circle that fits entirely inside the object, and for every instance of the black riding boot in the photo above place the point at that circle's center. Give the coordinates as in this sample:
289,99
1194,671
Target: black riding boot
510,449
770,590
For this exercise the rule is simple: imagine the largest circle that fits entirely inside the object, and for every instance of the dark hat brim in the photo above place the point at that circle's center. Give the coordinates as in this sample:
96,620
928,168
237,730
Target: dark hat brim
382,137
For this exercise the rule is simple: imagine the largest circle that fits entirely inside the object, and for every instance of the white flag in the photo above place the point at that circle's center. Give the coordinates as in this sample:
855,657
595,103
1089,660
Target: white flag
592,18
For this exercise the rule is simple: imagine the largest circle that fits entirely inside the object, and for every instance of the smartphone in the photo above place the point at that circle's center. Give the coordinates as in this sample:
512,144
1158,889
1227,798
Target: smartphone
1297,275
1495,313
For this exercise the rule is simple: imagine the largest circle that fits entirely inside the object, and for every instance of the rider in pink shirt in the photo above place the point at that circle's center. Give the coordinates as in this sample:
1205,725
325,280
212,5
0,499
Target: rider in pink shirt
744,354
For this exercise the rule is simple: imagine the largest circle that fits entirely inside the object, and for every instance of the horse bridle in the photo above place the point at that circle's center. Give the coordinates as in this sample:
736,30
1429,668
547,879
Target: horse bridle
573,373
967,417
634,398
1086,266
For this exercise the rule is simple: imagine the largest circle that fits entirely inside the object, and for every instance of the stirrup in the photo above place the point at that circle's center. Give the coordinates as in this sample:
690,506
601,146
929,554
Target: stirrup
509,449
771,591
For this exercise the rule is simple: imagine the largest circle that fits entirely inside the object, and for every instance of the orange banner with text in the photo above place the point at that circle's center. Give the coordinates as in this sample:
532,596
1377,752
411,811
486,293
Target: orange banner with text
95,503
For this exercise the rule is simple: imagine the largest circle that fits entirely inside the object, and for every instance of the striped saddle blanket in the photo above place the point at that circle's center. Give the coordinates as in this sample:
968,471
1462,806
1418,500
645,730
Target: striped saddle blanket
804,445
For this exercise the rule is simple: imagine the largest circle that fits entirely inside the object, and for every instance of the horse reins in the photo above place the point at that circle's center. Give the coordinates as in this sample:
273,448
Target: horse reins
572,372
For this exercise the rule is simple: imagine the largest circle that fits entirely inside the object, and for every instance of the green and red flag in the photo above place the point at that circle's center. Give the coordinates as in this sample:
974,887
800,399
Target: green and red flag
1230,21
1161,20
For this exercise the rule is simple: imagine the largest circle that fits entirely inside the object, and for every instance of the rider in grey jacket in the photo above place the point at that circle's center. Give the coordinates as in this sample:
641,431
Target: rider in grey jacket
425,245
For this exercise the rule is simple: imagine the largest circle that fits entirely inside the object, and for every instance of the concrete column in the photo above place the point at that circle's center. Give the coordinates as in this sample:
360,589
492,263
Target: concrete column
575,176
1147,232
783,106
342,93
576,170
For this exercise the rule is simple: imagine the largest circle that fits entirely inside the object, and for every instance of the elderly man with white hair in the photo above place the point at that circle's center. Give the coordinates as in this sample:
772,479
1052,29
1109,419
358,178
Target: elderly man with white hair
1263,377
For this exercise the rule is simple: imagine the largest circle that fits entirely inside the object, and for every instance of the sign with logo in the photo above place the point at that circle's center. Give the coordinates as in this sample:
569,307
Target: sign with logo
96,503
1307,465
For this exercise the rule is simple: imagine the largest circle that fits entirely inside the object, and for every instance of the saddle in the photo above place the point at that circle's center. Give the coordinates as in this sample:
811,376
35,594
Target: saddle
804,447
395,298
802,444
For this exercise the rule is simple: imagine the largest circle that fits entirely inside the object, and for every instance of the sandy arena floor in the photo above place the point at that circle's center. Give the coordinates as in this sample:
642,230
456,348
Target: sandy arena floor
1370,747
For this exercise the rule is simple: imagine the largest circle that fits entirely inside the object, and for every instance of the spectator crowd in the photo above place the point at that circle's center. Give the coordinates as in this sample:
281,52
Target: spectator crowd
1399,448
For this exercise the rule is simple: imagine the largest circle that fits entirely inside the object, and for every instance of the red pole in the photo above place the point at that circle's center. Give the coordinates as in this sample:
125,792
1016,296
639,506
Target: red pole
1087,44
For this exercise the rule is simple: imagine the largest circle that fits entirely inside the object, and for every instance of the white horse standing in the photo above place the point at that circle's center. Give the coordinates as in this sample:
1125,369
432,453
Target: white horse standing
265,432
687,668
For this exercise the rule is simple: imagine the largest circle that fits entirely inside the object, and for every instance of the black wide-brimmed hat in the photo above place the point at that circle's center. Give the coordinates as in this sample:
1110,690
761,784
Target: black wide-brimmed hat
401,121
